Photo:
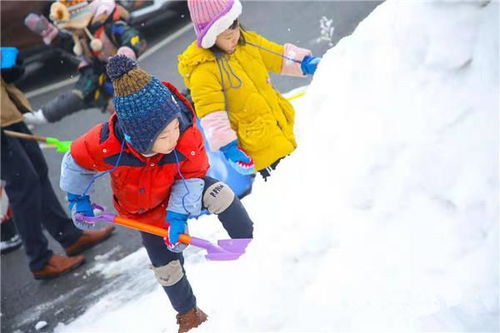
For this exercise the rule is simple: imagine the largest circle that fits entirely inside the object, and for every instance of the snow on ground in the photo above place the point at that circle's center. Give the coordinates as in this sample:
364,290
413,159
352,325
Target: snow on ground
386,216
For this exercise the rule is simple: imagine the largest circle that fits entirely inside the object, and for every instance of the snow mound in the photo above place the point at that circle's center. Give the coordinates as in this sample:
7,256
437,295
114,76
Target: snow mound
386,216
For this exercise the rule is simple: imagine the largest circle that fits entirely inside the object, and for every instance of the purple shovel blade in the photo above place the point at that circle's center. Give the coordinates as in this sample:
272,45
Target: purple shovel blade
235,248
222,256
237,245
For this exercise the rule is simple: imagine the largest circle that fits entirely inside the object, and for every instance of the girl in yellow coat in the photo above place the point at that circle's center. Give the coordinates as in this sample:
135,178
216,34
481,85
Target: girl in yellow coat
227,71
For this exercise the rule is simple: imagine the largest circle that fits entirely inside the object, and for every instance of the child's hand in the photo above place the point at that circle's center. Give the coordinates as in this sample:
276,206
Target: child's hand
309,64
80,204
238,159
178,226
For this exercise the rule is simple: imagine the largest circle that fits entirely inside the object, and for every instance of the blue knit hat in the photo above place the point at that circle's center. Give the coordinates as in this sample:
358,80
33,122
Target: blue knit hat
144,105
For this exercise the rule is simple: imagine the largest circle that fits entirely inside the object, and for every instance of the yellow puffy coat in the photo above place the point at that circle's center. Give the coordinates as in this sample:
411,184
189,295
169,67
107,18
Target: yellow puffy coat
261,117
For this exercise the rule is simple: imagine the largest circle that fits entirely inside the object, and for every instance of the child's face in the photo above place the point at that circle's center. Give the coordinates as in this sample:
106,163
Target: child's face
228,40
167,140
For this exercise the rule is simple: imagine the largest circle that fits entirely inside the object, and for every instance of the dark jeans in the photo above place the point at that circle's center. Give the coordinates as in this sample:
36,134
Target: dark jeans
32,199
93,89
237,224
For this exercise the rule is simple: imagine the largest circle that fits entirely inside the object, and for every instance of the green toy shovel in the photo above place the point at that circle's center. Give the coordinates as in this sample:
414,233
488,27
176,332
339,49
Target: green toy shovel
61,146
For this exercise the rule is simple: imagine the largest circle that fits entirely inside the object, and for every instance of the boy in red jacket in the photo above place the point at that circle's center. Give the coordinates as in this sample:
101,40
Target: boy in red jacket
157,162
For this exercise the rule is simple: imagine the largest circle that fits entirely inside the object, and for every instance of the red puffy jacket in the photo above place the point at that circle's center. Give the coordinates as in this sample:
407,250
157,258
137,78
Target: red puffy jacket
141,185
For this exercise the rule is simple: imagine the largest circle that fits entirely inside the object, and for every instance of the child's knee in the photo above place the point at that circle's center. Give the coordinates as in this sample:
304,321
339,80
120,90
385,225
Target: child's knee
169,274
218,197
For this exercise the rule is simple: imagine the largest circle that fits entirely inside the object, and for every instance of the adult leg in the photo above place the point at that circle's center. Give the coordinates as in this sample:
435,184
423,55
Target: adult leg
24,191
52,215
218,198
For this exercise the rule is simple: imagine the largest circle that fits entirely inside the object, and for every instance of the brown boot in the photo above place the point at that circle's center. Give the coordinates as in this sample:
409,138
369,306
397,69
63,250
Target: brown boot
88,239
58,265
191,319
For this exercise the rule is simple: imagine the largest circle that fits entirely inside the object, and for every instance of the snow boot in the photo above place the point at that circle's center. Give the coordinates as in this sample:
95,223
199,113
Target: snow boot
191,319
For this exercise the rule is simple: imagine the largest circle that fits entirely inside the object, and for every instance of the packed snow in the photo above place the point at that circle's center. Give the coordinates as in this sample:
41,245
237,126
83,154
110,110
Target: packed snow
40,325
386,216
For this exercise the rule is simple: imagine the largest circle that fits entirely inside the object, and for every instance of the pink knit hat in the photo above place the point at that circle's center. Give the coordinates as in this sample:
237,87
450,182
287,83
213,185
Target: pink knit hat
212,17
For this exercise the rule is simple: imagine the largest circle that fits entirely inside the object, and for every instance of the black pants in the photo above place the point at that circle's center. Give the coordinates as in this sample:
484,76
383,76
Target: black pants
237,224
32,199
266,172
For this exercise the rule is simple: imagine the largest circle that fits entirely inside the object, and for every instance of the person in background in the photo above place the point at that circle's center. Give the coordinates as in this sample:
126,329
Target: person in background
157,162
31,196
92,31
227,73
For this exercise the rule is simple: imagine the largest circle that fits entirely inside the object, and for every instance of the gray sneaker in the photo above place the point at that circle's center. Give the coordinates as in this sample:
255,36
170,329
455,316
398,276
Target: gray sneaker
9,245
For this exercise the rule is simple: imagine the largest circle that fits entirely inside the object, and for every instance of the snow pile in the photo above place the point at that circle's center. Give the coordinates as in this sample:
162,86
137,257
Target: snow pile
385,218
408,114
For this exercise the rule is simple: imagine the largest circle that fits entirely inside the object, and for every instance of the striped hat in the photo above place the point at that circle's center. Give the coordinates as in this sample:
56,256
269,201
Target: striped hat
211,18
143,104
77,14
71,14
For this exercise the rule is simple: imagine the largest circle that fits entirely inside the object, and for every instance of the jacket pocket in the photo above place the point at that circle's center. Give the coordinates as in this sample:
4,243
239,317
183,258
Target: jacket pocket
255,134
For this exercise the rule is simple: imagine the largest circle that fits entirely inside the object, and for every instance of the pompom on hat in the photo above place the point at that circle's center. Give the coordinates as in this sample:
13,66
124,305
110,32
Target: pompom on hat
211,18
143,104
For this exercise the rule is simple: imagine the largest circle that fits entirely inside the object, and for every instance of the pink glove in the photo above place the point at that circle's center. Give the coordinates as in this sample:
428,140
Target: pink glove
42,27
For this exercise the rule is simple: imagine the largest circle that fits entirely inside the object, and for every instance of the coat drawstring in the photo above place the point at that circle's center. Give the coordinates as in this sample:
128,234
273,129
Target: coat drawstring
117,164
225,67
183,181
275,53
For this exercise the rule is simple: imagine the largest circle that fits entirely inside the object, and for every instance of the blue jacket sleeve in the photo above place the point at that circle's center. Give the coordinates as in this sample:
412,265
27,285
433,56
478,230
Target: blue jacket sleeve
74,178
186,196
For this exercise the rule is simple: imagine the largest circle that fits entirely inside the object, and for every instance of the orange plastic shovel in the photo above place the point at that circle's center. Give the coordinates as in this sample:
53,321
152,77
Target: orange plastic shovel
226,249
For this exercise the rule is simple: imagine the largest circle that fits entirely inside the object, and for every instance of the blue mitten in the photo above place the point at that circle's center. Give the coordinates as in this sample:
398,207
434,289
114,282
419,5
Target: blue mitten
80,204
309,64
238,159
178,225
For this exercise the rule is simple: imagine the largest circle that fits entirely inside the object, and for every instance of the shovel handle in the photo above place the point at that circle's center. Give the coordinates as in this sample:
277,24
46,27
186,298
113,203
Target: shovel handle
151,229
25,136
133,224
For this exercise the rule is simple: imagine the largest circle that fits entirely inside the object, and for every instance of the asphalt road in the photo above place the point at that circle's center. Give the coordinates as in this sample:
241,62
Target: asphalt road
25,301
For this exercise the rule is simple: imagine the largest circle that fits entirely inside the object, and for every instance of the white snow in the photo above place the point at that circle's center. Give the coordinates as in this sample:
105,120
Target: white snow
386,216
40,325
